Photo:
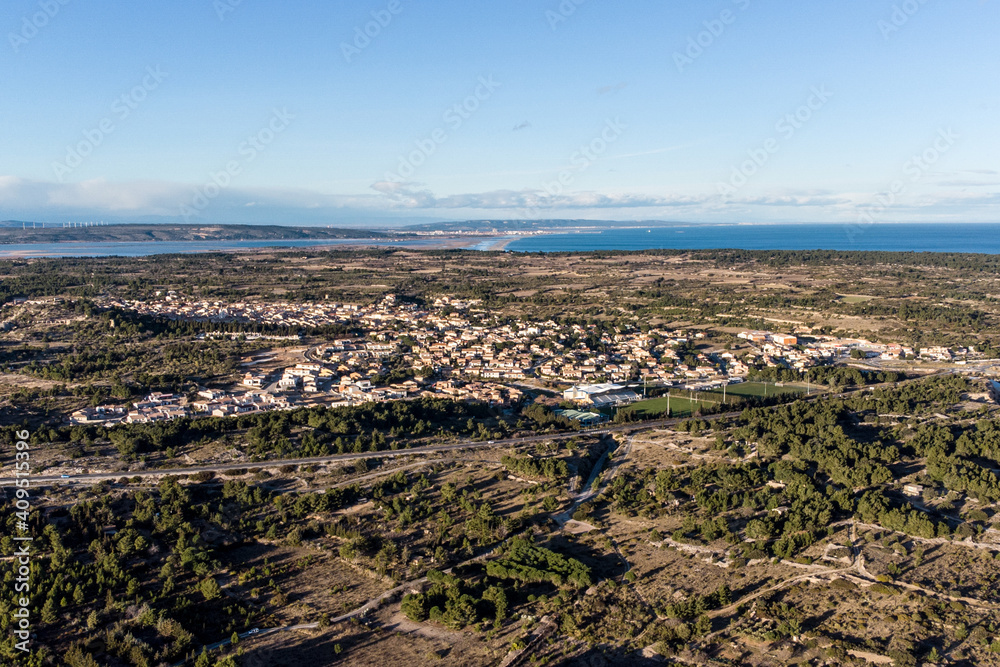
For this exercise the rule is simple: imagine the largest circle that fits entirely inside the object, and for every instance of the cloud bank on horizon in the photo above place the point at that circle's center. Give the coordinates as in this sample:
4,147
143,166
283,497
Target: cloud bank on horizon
384,111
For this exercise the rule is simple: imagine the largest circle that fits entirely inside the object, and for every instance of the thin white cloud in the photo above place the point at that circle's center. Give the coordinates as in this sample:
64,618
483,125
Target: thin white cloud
656,151
967,183
412,195
794,200
97,194
42,200
39,200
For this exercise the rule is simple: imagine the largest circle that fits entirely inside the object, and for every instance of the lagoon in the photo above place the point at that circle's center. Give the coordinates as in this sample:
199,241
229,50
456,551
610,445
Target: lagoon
143,249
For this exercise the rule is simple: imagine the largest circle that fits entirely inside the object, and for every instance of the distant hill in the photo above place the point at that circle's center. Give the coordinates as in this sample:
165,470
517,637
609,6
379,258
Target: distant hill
501,226
12,232
17,223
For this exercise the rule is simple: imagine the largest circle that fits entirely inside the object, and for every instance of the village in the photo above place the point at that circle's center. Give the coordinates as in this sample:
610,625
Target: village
453,349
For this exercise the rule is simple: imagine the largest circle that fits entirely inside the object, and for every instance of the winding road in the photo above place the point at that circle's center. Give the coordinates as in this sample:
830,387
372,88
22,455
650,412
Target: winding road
38,479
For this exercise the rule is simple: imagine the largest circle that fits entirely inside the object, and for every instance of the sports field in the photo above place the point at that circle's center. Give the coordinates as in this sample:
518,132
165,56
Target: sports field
759,389
679,406
682,406
854,298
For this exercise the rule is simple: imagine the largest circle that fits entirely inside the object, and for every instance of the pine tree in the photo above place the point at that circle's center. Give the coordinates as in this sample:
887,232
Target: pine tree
49,612
210,588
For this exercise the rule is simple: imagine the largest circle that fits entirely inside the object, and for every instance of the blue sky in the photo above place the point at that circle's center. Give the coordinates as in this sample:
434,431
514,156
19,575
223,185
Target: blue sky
707,110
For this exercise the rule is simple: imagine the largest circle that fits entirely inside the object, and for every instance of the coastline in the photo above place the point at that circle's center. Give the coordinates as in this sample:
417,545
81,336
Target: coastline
502,245
66,249
956,238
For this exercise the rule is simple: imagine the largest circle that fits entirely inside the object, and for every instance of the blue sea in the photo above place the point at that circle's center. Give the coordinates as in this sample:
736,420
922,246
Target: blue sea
952,237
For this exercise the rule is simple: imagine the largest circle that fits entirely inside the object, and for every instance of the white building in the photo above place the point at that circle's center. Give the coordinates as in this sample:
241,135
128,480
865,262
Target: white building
603,394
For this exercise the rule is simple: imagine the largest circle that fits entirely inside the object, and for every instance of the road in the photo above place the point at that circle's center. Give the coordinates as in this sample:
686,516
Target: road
584,494
587,491
337,458
38,480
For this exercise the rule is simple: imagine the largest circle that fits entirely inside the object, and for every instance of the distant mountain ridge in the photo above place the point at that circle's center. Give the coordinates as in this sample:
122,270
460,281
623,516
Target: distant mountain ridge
17,223
11,231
